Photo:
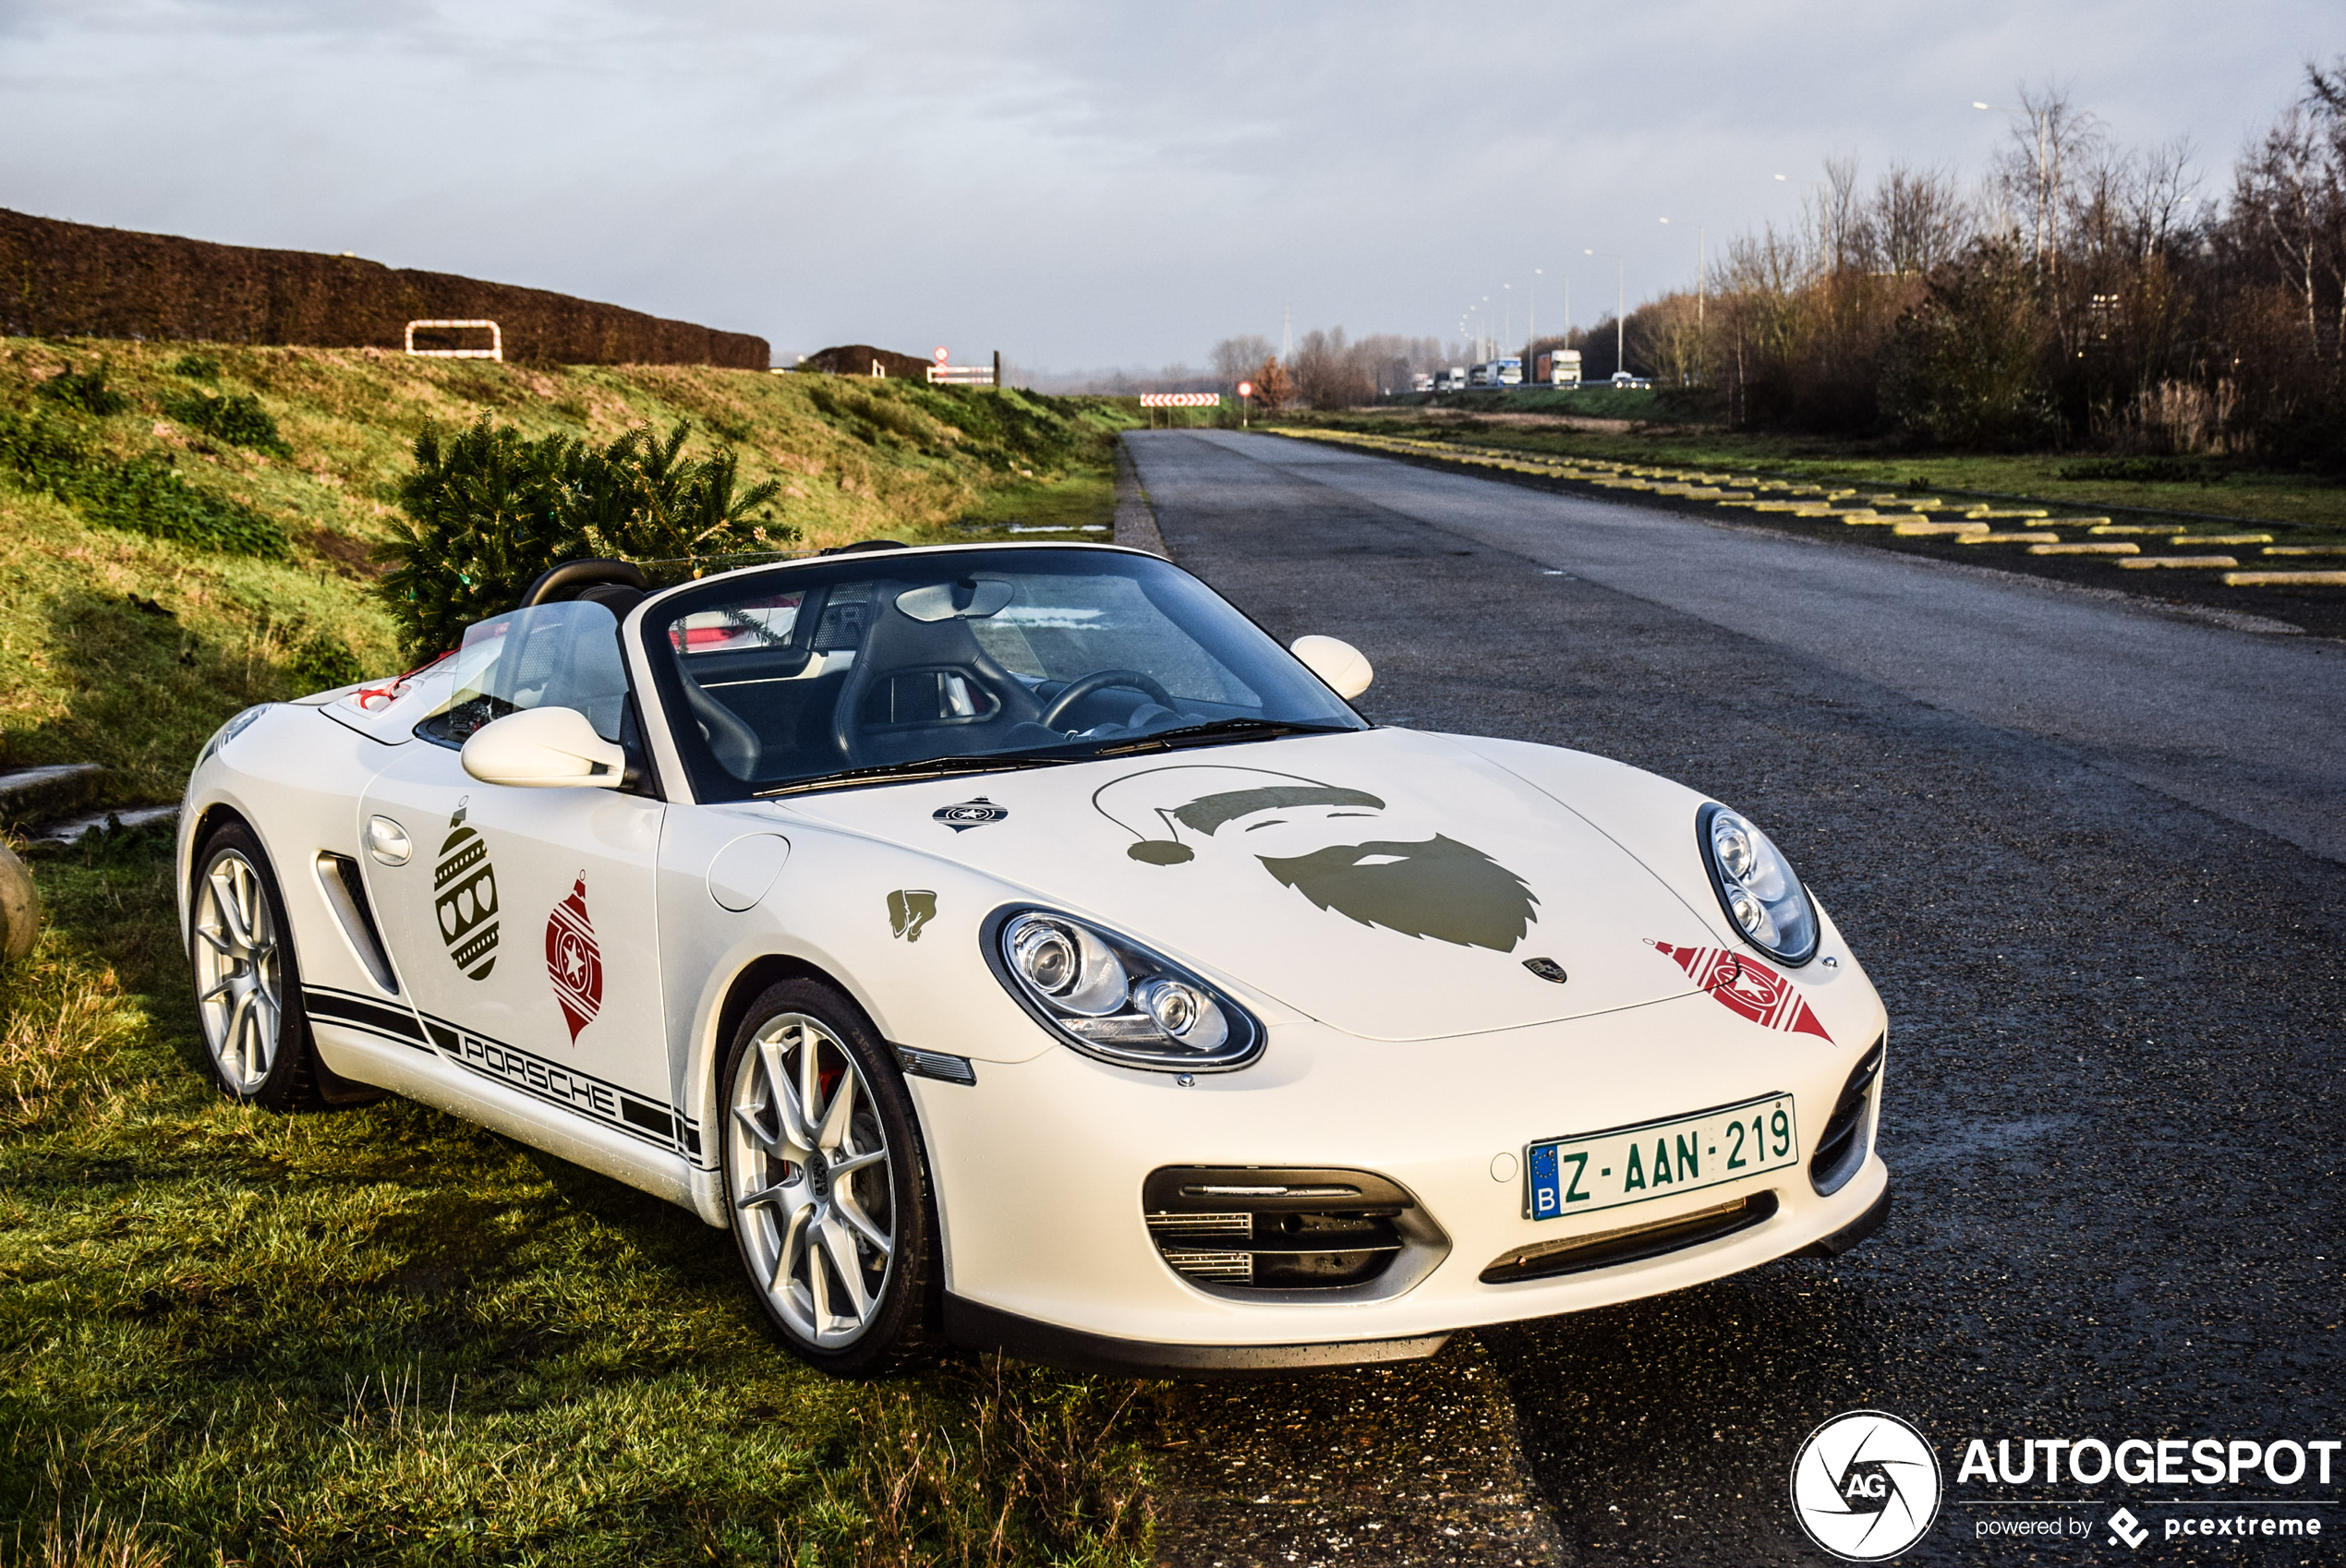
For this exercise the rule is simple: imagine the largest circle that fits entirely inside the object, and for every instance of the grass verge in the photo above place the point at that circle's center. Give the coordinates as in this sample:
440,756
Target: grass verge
388,1336
2224,487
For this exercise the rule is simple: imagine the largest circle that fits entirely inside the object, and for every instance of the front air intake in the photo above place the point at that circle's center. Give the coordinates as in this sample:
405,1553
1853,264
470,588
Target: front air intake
1842,1146
1258,1230
1628,1244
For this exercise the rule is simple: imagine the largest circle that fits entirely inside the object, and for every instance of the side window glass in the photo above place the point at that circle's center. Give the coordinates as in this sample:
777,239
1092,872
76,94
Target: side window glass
547,656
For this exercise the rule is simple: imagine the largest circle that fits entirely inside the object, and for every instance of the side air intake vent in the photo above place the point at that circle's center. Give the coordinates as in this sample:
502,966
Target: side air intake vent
346,896
1261,1232
1842,1147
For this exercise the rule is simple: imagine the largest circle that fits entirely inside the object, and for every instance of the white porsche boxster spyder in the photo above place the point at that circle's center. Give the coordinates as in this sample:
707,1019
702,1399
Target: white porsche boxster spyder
1015,947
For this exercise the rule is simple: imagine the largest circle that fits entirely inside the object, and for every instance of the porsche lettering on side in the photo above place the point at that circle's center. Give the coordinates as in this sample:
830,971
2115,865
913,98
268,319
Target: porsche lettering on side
1014,947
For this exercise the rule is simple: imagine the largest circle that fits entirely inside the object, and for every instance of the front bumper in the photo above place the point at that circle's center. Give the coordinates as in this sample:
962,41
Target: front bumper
1039,1166
974,1326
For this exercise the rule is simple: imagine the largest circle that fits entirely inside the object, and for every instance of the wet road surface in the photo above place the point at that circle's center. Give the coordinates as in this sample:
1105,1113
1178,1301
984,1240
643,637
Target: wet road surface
2113,1114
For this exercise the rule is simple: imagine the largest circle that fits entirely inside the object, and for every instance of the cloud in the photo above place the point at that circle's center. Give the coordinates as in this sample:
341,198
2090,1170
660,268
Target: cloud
1073,184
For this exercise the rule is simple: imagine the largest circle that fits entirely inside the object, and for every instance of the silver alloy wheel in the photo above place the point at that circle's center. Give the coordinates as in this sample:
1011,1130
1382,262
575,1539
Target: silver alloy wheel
239,983
810,1181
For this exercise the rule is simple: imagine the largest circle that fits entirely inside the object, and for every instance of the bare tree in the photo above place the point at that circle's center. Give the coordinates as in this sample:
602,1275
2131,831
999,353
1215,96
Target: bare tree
1236,358
1915,220
2050,137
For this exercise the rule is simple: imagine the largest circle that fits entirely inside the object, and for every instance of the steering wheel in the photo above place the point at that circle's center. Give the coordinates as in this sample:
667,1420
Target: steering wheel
1099,679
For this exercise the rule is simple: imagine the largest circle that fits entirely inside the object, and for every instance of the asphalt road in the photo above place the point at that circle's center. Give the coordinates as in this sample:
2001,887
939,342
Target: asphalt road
2070,840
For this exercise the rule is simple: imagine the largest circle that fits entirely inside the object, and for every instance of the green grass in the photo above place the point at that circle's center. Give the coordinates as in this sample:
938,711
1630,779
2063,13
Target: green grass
388,1336
2216,487
124,641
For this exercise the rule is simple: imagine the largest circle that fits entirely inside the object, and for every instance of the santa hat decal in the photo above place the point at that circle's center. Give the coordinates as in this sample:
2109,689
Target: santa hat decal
1157,804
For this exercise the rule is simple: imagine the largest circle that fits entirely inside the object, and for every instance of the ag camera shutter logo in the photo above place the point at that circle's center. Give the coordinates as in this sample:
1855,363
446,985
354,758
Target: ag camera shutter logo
1866,1485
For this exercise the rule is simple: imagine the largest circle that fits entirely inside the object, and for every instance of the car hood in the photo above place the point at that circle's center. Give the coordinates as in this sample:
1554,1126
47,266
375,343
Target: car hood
1391,884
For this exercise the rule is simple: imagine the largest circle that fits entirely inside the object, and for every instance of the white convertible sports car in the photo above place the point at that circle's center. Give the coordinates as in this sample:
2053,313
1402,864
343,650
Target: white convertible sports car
1014,947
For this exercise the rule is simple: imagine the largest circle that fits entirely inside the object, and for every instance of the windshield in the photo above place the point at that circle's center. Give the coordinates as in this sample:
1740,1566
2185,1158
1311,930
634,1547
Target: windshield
547,655
882,662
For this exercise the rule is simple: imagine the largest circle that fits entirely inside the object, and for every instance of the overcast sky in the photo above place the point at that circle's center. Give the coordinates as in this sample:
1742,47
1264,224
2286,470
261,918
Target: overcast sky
1075,184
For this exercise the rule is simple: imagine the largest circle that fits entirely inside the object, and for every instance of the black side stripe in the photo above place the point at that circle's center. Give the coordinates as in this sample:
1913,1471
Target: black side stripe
554,1083
336,1006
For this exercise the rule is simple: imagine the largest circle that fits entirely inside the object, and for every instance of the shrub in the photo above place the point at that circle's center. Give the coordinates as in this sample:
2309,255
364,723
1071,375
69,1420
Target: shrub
2142,470
323,663
236,417
488,511
86,391
142,495
1965,364
197,366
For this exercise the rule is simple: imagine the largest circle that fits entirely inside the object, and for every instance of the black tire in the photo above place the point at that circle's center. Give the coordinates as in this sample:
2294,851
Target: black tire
792,1222
290,1076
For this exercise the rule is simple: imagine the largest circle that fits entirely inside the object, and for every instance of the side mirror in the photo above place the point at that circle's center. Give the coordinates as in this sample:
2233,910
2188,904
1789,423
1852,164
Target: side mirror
544,748
1338,663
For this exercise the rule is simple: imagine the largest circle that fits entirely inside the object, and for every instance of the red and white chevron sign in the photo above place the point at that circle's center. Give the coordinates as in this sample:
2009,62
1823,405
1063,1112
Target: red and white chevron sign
1181,400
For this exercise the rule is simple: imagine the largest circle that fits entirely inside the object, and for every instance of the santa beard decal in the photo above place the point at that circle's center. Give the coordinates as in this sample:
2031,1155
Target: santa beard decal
1748,987
573,961
1438,887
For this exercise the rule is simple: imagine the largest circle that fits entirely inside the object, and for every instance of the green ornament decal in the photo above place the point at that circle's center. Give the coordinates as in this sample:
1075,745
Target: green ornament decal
464,885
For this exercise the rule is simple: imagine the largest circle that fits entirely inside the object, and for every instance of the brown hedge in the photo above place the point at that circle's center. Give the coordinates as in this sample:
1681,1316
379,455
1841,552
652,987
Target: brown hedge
857,359
60,278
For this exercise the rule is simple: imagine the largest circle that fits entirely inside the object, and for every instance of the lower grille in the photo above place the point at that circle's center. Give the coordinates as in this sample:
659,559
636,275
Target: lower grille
1842,1146
1260,1228
1628,1244
1228,1268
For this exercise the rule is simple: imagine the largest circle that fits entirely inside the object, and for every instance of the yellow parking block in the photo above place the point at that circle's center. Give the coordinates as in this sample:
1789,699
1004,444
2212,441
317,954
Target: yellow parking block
2304,549
2031,511
2270,579
2109,546
2137,561
2102,528
1929,530
2220,540
2031,537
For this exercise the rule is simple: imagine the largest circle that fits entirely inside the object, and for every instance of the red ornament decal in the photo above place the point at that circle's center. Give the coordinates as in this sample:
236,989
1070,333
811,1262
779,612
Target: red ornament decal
573,960
1747,986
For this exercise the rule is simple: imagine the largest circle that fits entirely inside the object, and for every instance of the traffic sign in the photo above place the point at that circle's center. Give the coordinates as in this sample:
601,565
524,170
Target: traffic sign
941,355
1181,400
1246,389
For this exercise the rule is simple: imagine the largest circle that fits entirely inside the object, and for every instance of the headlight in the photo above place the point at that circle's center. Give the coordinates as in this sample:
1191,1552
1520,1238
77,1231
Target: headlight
1756,886
230,730
1114,999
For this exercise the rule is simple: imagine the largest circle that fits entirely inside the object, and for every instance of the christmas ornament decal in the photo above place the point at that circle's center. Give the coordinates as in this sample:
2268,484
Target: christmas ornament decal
573,960
1747,986
464,897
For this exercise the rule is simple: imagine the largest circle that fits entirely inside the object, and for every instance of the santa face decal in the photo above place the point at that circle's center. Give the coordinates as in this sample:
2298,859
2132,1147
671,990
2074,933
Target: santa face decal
573,961
1747,986
1340,848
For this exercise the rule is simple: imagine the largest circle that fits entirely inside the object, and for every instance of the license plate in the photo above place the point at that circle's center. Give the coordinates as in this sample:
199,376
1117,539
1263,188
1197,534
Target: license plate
1635,1165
